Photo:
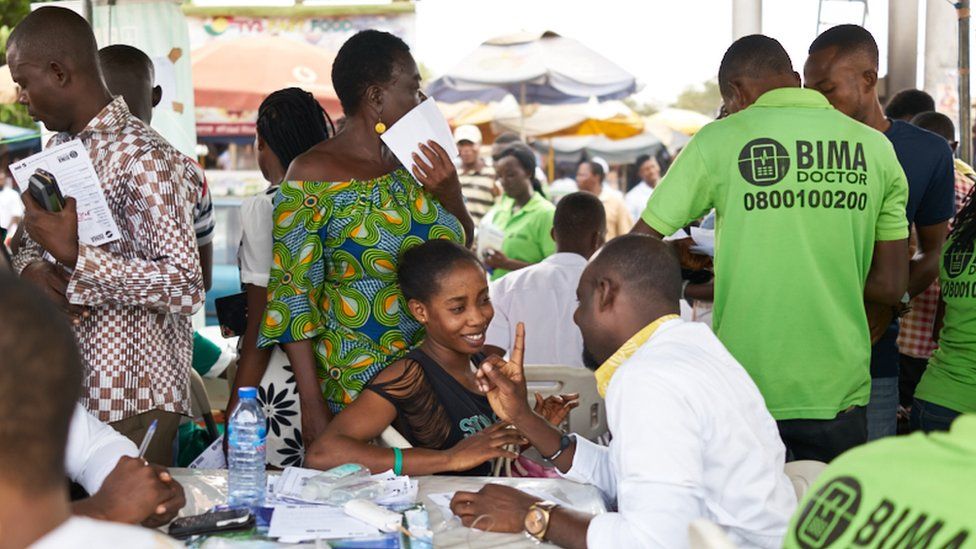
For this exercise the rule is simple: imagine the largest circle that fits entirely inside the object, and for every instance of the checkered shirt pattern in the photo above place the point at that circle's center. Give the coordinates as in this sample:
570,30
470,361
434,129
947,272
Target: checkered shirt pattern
141,289
915,330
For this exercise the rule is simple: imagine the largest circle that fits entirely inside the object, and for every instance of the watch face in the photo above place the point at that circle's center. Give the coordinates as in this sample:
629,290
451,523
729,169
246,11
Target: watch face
535,522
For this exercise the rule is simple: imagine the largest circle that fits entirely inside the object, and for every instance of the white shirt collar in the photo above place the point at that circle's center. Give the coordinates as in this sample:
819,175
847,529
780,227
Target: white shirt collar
566,259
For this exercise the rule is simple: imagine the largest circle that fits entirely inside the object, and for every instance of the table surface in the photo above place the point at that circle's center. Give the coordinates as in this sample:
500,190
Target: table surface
206,488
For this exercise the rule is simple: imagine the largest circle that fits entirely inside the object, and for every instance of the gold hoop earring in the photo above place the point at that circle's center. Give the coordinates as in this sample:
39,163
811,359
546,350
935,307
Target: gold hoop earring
379,128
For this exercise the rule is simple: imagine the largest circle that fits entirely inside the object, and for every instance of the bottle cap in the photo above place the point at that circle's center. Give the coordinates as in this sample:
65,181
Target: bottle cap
247,392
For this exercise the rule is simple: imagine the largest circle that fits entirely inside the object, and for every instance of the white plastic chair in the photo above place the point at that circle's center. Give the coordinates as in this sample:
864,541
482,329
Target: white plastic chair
803,473
391,438
200,404
705,534
589,419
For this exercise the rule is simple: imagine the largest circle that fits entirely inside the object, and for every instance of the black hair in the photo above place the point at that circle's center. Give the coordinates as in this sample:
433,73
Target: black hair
125,59
648,265
291,122
40,382
366,59
526,158
753,56
507,137
907,103
578,215
502,143
596,168
421,267
57,34
937,123
565,168
847,39
664,160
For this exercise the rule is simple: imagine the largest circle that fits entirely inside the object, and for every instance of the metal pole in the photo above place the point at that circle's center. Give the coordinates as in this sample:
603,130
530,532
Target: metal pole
88,11
965,104
522,111
746,18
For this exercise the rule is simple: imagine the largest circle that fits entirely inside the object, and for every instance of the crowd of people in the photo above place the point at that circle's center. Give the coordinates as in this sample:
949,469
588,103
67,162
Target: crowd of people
375,298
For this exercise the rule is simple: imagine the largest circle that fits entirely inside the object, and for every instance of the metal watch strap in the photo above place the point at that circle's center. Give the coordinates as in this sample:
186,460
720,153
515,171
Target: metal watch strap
546,507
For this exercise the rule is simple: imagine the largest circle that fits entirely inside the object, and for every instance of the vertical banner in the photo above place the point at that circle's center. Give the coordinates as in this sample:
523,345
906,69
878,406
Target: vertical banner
159,29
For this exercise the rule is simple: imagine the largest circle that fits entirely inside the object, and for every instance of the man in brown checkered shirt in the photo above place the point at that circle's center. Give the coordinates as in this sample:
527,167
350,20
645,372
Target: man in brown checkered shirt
132,298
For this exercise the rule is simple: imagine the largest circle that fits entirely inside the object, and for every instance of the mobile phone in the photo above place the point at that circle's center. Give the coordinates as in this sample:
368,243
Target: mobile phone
43,186
208,523
232,314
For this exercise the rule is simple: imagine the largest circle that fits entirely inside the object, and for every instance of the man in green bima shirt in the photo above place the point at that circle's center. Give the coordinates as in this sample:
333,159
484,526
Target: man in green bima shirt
810,223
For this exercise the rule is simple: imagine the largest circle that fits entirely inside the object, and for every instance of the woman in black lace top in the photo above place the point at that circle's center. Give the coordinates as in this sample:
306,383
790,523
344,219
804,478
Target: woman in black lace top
430,396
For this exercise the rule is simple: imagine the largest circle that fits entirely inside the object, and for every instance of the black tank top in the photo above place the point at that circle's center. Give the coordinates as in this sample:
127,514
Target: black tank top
434,410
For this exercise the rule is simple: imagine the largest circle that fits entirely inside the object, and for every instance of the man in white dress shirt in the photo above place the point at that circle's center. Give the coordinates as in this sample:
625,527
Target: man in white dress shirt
40,383
543,296
123,487
650,170
691,434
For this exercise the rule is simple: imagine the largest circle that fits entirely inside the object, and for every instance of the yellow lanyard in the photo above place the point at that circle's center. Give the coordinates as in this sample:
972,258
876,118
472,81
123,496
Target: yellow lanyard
605,372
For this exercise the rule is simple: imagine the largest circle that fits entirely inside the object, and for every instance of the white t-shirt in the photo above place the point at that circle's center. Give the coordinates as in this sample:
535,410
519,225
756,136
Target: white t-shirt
543,296
637,198
256,243
691,439
94,449
11,206
86,533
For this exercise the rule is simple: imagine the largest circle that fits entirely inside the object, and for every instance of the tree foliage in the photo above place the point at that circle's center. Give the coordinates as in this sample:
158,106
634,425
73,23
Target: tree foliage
11,12
704,98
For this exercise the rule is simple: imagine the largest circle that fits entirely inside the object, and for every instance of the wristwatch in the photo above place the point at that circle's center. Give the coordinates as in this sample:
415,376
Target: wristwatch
537,519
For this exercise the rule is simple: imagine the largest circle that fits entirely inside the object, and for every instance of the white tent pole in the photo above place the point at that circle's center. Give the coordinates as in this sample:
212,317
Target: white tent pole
522,111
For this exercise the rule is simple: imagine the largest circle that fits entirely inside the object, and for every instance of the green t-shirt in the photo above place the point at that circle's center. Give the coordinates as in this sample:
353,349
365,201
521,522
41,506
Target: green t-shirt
950,379
801,193
528,231
898,492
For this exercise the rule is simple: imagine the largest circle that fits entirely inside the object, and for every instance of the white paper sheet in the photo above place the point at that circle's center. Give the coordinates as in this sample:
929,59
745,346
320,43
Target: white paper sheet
76,177
423,123
211,458
307,522
490,237
292,480
704,241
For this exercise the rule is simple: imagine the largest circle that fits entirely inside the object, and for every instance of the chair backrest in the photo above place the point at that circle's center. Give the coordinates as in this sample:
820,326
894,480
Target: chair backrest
391,438
589,419
200,404
803,473
705,534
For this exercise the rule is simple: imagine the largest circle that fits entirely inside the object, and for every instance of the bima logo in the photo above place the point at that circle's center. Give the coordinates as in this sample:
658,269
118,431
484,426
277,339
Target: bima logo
829,513
764,162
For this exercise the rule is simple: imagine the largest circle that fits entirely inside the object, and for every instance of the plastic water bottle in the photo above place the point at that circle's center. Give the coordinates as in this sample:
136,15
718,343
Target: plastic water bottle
246,477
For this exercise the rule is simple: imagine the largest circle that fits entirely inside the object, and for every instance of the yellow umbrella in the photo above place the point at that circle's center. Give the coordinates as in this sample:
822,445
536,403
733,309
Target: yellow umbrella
611,119
8,89
684,121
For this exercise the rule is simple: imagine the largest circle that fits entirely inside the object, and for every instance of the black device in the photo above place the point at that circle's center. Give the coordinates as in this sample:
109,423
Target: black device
232,314
43,186
209,523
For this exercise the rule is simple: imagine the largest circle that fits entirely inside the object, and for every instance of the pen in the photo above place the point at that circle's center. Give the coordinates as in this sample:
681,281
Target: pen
148,438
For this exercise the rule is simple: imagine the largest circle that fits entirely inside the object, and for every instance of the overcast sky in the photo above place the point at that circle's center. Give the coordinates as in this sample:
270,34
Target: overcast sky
667,44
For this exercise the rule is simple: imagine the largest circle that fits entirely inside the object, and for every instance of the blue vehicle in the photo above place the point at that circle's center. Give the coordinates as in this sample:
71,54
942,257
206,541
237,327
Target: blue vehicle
227,239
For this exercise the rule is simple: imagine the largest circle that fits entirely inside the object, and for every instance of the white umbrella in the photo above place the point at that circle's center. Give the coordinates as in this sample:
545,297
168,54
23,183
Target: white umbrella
547,69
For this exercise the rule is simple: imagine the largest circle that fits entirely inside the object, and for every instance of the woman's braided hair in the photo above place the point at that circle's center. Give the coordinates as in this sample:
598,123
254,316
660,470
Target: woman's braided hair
291,122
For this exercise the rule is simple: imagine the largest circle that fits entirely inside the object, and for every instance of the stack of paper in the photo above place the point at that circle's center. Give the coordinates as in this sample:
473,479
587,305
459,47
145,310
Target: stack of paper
296,519
398,490
298,523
